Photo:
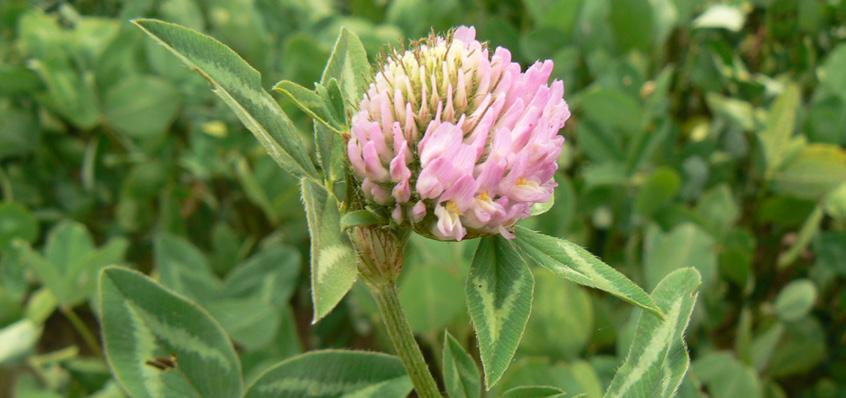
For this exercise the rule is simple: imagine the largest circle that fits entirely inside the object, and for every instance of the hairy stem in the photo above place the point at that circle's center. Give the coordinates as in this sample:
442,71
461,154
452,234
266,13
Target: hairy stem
83,330
403,340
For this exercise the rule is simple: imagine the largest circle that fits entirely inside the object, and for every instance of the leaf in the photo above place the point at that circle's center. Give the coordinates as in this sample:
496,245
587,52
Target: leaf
143,321
718,211
461,376
17,223
69,93
431,296
795,300
331,151
558,14
576,264
184,268
611,108
540,208
657,358
726,377
543,334
239,86
333,373
685,246
721,16
534,392
777,133
357,218
348,64
70,262
632,22
333,260
801,349
141,115
801,176
661,187
309,102
270,275
833,71
499,300
251,322
17,339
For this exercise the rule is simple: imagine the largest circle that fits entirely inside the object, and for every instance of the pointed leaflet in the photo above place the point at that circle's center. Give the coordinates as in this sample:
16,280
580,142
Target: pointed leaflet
239,86
578,265
334,373
70,262
499,299
534,392
143,321
657,358
348,64
461,376
333,261
775,137
309,102
331,151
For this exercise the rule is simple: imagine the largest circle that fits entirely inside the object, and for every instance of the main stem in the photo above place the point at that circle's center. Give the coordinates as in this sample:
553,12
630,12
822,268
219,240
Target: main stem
403,340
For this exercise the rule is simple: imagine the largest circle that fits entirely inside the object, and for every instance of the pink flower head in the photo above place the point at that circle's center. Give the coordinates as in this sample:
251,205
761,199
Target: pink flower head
457,142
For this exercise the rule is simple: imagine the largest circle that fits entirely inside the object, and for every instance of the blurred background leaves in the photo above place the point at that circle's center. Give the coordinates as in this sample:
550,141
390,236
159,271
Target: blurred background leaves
706,134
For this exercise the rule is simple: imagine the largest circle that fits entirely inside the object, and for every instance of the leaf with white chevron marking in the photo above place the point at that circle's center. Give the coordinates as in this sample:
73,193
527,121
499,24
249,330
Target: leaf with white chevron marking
239,86
574,263
333,260
657,358
499,298
333,373
159,344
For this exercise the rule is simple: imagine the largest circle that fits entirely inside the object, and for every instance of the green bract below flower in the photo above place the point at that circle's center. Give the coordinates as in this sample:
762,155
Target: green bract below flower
457,142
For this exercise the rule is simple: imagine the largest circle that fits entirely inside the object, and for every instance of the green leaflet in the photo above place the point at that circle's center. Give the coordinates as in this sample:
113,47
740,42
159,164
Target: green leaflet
776,136
461,376
143,321
348,64
70,262
578,265
333,373
309,102
247,301
239,86
534,392
333,260
499,299
657,358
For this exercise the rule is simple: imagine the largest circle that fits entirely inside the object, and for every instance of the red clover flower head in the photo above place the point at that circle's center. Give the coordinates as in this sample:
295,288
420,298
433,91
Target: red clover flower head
456,142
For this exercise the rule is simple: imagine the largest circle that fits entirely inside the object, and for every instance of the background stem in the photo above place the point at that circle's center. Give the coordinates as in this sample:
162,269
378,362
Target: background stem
403,340
83,330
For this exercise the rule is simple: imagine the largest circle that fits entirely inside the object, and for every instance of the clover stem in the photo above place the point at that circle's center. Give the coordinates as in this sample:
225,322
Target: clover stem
83,330
403,339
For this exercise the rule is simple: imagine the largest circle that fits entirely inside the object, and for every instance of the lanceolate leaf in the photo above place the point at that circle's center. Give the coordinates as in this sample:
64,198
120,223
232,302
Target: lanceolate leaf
534,392
334,373
239,85
348,64
309,102
780,124
333,261
657,358
499,299
159,344
461,376
578,265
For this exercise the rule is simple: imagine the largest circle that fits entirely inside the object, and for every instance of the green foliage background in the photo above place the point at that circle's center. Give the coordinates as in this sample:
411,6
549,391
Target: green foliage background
705,134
